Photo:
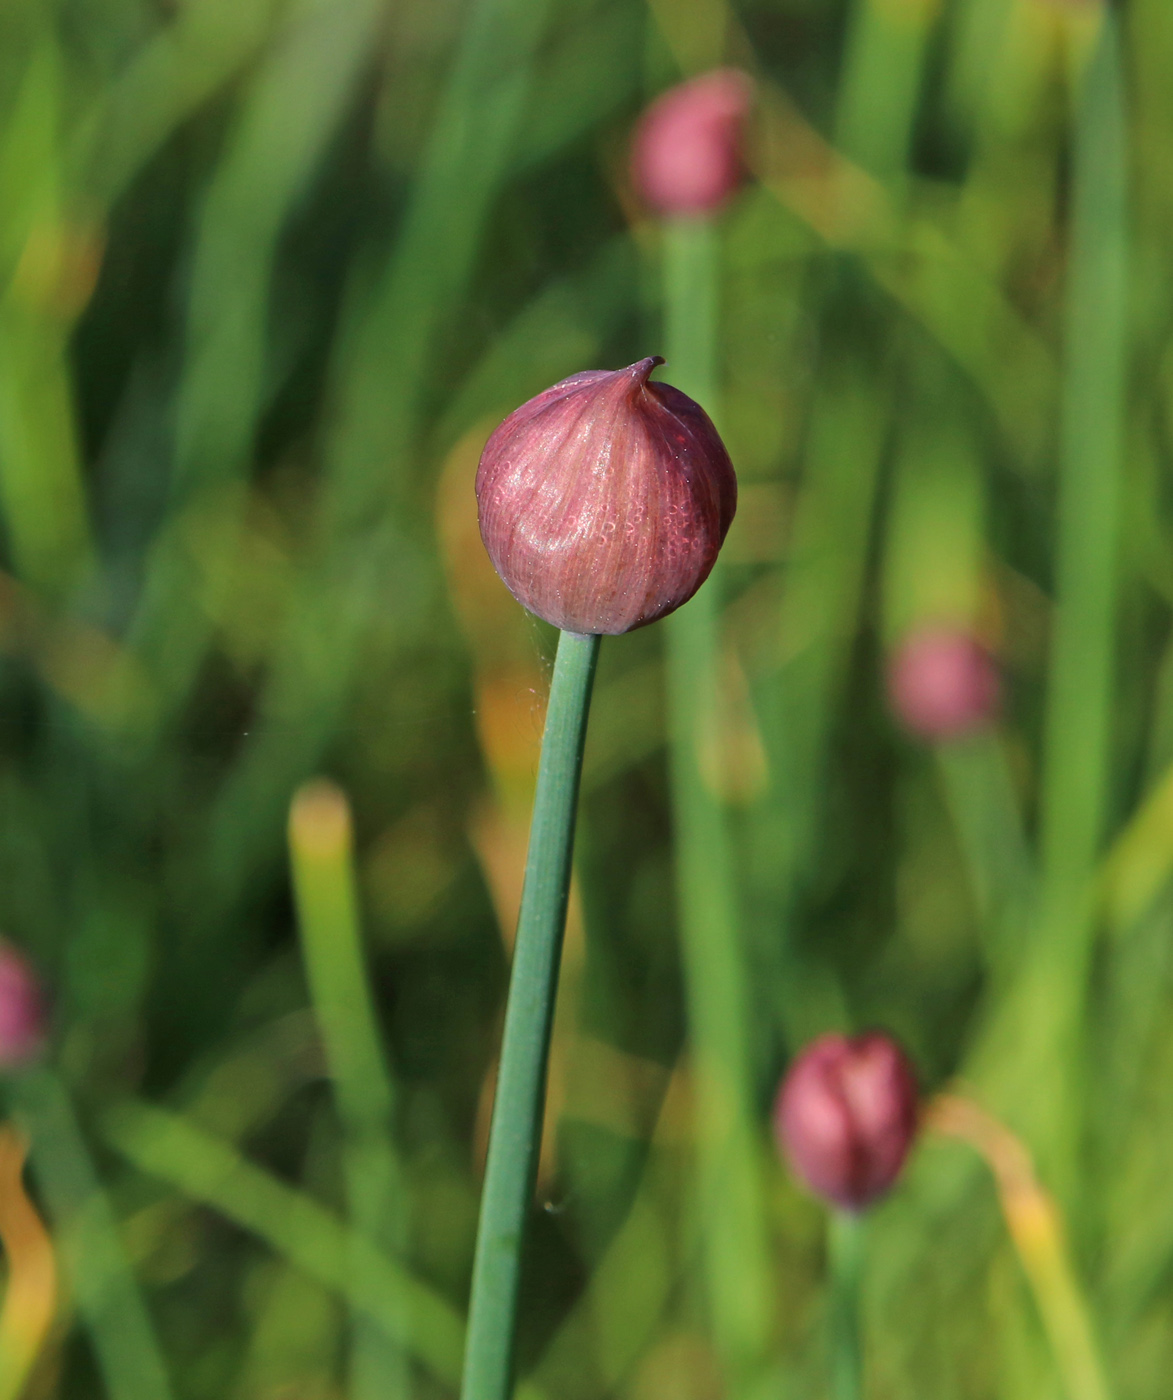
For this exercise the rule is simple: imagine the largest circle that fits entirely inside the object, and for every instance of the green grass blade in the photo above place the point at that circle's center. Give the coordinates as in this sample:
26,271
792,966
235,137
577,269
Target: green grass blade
1077,754
108,1297
820,617
382,383
1032,1055
980,794
320,844
170,76
879,91
167,1146
730,1199
1078,737
41,487
380,362
299,95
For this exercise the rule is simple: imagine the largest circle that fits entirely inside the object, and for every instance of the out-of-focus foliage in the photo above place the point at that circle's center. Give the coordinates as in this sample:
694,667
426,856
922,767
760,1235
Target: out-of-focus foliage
270,271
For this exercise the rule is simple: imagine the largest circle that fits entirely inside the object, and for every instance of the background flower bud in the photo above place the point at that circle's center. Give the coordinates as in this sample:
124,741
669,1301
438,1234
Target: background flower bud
942,683
604,500
686,158
846,1115
22,1014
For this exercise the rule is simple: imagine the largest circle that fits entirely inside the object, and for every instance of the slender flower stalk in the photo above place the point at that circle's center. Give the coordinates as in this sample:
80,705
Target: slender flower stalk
321,850
100,1277
845,1240
730,1194
686,164
1077,763
521,1084
602,503
1031,1057
845,1117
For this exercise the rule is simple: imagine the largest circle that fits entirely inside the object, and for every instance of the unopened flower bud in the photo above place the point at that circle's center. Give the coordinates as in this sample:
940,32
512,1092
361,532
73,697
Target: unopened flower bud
604,500
943,684
22,1013
846,1115
687,154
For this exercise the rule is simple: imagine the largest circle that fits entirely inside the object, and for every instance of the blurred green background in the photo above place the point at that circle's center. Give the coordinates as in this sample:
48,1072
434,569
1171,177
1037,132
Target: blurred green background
270,271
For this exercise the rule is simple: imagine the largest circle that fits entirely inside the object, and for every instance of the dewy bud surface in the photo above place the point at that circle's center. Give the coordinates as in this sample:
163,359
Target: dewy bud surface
846,1116
603,501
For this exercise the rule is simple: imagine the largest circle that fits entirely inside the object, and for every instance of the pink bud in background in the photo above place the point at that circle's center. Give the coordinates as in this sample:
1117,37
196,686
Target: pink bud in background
846,1116
942,683
687,154
604,500
22,1014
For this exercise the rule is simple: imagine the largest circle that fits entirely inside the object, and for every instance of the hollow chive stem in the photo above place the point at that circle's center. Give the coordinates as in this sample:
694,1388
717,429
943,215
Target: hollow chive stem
516,1130
1078,749
321,849
845,1250
729,1194
88,1235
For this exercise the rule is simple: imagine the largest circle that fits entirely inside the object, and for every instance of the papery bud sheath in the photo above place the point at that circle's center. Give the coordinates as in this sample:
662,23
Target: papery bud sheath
603,501
846,1116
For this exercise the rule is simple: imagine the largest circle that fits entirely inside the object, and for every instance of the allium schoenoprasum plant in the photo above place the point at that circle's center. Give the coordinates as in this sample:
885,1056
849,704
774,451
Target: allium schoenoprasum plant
273,273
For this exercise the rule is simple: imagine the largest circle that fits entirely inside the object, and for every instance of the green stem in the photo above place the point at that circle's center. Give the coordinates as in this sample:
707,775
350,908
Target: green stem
978,788
295,1227
521,1082
1078,741
1092,449
883,74
729,1189
845,1248
320,844
84,1227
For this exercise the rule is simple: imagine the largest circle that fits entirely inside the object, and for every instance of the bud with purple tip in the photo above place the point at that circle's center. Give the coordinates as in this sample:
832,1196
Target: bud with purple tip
846,1115
604,500
22,1012
942,683
687,155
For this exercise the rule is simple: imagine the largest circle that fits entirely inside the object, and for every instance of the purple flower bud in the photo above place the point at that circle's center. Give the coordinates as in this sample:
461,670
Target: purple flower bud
686,158
22,1014
943,684
846,1115
604,500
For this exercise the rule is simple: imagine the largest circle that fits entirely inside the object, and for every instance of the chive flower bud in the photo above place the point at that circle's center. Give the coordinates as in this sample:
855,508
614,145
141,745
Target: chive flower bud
603,501
22,1012
943,684
846,1116
687,153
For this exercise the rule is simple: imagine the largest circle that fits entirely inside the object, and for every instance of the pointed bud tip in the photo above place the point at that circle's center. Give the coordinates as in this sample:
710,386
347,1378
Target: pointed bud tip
642,370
